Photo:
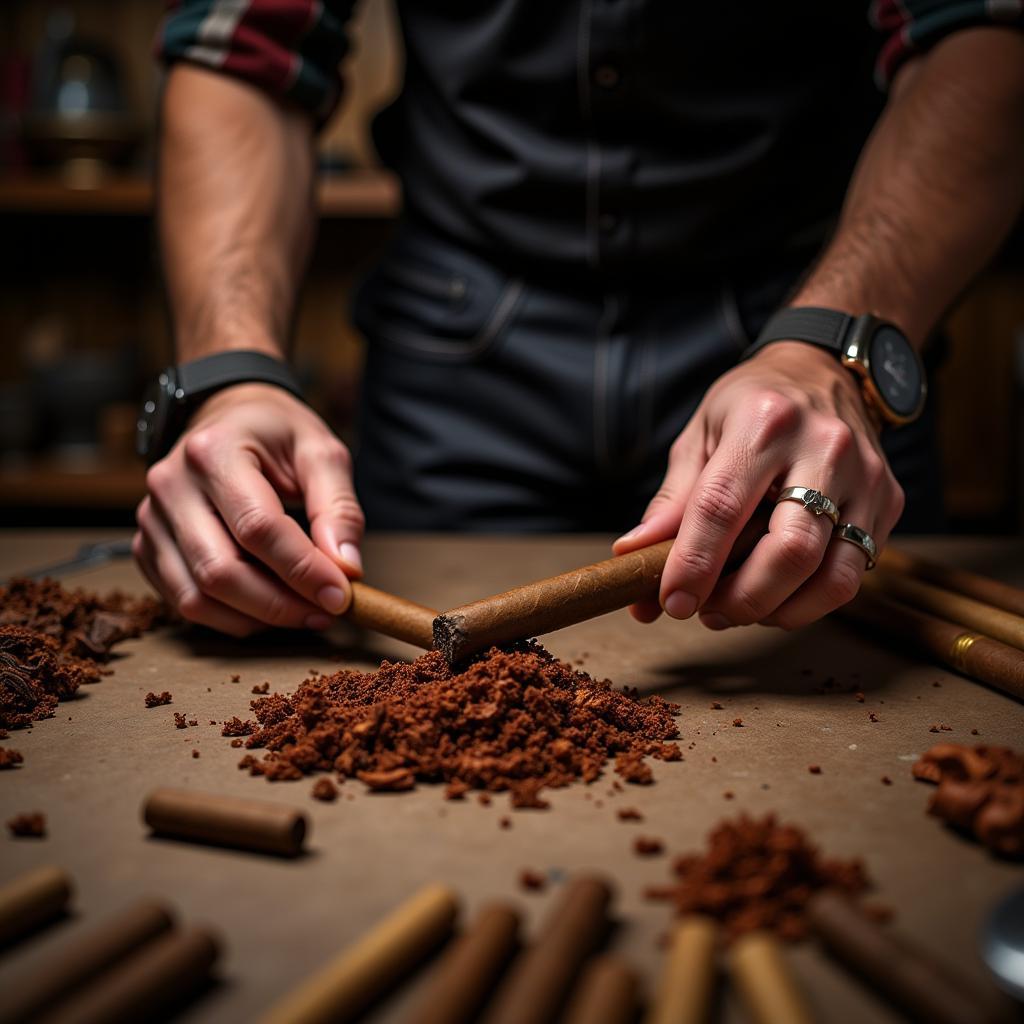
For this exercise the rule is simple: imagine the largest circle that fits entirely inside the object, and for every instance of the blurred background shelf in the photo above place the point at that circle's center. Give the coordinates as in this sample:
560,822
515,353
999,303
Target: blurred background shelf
97,484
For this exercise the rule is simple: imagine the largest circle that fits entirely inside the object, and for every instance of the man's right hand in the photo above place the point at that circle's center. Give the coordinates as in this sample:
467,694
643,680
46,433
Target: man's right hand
214,538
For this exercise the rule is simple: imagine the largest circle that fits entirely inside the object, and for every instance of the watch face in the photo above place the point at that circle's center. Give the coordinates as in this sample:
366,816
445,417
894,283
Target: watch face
895,370
152,422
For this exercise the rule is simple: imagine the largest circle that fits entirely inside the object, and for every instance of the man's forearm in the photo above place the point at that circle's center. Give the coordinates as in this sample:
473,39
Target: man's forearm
235,209
937,188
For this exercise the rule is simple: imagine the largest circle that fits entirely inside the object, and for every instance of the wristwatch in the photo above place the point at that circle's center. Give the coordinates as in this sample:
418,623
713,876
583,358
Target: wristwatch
890,371
179,390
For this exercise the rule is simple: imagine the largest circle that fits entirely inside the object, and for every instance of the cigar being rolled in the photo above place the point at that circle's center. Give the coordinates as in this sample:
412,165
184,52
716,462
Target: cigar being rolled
687,983
32,899
462,980
165,971
360,973
907,976
391,615
540,978
765,981
82,959
606,994
226,820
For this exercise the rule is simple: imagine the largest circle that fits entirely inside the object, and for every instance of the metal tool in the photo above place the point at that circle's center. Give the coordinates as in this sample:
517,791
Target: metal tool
1002,944
88,556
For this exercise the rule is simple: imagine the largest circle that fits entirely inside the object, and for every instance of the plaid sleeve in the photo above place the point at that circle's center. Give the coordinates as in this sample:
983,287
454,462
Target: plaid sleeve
290,48
912,26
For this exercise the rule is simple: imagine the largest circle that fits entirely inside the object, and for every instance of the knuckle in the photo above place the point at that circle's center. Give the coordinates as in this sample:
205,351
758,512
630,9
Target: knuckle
875,470
158,477
691,563
303,567
774,415
143,512
799,548
745,607
717,504
191,605
836,440
200,448
898,502
346,511
841,584
254,527
212,574
278,611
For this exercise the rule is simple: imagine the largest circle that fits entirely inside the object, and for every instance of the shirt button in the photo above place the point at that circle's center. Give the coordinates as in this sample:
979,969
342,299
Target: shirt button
607,76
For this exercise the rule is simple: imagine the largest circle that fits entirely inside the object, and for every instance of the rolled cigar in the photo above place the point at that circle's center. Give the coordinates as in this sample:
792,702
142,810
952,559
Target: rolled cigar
468,969
350,982
550,604
606,994
971,584
965,651
909,977
82,959
393,616
952,607
541,976
32,899
226,820
769,990
165,971
687,983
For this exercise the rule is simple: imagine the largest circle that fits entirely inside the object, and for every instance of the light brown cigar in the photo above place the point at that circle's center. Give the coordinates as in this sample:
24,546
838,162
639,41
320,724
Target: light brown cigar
550,604
923,988
32,899
770,993
82,959
965,651
962,581
165,971
393,616
541,976
952,607
462,980
606,994
226,820
687,983
350,982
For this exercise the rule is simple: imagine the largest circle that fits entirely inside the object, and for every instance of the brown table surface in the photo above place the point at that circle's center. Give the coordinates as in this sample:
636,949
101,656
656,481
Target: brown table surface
90,767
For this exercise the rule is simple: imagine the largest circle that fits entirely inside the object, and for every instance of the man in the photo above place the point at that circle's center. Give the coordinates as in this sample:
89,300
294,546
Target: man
605,201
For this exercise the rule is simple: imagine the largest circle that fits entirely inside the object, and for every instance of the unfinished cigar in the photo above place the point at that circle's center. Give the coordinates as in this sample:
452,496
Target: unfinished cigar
953,607
962,581
164,972
82,959
540,978
909,977
226,820
468,969
550,604
32,899
606,994
393,616
687,983
965,651
351,981
769,990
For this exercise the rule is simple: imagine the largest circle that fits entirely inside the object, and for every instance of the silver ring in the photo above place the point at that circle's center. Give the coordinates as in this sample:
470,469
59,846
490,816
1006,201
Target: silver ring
814,501
855,535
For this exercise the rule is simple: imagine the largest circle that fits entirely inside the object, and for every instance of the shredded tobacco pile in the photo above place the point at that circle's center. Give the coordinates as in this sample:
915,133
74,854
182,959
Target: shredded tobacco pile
516,720
757,874
981,792
54,640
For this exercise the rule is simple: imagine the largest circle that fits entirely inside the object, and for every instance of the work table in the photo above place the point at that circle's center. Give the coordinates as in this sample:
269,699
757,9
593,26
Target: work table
89,768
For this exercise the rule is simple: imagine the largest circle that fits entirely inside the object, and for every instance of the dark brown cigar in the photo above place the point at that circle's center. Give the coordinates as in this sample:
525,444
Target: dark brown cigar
467,971
392,616
165,971
542,975
923,988
226,821
80,960
606,994
32,899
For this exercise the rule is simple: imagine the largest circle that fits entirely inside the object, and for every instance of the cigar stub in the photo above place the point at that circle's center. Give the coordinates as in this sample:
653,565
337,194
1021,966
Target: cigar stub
82,959
686,986
765,981
164,972
540,978
606,994
462,980
255,825
348,984
31,900
393,616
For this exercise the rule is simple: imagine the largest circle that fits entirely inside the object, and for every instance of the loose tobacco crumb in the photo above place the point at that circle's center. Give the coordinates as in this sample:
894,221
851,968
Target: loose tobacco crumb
886,781
195,753
31,825
738,722
814,769
716,706
648,846
261,688
532,880
155,700
629,814
236,727
179,720
9,758
873,717
324,789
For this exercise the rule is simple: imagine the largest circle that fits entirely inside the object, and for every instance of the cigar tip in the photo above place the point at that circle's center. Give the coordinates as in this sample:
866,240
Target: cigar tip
449,636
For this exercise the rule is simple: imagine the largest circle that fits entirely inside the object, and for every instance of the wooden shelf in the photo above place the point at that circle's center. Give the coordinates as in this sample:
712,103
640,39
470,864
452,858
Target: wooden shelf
104,483
353,194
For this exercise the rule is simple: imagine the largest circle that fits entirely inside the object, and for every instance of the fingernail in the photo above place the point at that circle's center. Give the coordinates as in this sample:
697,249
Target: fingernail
350,556
680,605
714,620
632,533
318,622
332,599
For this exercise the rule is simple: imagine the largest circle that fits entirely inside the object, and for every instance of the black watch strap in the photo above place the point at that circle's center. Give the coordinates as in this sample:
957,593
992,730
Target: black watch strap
202,377
813,324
